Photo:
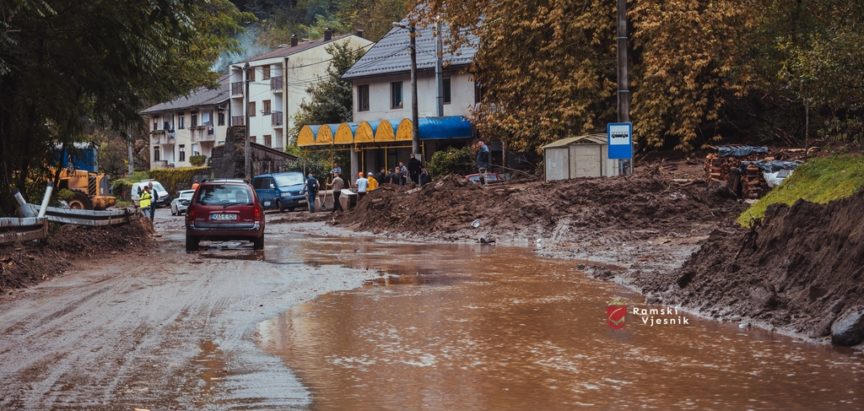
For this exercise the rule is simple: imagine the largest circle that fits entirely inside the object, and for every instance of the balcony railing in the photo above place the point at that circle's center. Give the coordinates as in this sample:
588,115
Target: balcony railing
237,88
276,119
237,121
202,134
276,84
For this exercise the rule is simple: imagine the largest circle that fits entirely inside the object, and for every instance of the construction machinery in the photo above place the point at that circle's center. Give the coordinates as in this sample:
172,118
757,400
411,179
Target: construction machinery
79,174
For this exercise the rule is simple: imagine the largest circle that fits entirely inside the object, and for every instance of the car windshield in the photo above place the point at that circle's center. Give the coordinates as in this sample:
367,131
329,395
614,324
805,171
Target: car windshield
158,187
224,195
285,180
186,195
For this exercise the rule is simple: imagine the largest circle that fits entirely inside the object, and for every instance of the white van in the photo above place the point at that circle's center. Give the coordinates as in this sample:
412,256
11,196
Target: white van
163,198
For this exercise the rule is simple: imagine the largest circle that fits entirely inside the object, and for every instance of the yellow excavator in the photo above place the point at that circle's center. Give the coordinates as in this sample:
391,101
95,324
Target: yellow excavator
79,174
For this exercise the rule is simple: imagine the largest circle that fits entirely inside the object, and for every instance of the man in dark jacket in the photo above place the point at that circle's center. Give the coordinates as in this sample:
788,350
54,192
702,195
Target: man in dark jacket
414,166
311,191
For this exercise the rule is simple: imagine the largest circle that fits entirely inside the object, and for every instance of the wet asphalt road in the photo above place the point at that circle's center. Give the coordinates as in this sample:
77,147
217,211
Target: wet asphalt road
168,330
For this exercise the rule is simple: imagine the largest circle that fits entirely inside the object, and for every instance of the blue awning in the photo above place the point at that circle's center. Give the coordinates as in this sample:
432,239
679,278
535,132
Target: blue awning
440,128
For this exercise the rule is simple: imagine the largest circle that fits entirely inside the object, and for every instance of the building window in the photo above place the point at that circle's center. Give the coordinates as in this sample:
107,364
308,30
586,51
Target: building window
167,126
221,118
396,94
155,124
478,93
266,108
182,152
265,72
194,120
268,140
251,109
251,73
156,154
181,121
447,94
363,98
195,150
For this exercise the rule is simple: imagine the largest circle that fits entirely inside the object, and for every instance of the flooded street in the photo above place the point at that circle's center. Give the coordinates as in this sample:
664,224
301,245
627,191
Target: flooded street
479,327
323,319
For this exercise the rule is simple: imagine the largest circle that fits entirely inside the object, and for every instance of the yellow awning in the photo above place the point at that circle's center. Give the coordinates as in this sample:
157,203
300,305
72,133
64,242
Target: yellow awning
344,134
306,137
405,132
364,134
385,132
325,135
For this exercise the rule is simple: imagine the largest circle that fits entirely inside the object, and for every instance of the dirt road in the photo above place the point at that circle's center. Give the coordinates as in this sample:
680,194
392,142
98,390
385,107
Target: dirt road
159,331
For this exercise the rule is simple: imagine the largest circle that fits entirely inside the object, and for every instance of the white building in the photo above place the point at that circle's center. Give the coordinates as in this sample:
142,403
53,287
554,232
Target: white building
381,133
188,126
278,81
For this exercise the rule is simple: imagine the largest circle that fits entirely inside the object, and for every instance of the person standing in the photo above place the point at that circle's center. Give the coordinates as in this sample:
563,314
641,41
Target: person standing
482,156
145,200
373,182
425,178
311,191
414,166
336,169
155,195
338,184
362,186
403,173
195,184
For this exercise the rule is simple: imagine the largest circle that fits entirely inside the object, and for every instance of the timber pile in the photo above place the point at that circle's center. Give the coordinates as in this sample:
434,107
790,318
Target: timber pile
744,181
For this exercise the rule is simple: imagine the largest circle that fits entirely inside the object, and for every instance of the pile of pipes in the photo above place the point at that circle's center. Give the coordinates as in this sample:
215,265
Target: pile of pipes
747,171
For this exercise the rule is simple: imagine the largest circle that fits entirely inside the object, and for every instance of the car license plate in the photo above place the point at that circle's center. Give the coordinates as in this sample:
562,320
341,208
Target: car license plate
223,217
266,204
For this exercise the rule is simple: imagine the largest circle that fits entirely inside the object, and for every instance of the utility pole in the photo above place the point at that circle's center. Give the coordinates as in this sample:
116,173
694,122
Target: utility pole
439,65
247,146
129,143
623,82
415,140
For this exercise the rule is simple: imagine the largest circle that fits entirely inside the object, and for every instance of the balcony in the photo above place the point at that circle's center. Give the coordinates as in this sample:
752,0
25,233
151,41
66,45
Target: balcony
276,119
202,134
163,137
237,89
276,84
238,120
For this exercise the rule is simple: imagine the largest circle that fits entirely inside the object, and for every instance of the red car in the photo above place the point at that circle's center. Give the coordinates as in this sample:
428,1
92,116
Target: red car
224,210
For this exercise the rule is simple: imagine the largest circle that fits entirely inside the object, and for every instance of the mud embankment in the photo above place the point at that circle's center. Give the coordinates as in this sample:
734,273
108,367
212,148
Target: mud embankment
801,268
22,265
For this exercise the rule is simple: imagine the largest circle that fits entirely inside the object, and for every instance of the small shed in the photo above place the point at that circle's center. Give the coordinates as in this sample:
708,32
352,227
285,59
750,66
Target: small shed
575,157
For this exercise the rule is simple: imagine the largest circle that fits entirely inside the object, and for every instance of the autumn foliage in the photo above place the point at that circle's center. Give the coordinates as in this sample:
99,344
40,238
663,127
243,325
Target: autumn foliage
700,70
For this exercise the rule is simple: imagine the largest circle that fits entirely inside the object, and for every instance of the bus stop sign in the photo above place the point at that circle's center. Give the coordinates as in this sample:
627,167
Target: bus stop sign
620,140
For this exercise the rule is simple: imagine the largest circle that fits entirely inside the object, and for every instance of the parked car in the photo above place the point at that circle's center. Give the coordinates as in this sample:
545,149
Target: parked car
491,178
163,200
281,191
181,203
223,210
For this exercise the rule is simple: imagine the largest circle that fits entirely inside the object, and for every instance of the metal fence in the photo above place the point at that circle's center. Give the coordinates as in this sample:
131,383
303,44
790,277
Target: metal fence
22,229
90,217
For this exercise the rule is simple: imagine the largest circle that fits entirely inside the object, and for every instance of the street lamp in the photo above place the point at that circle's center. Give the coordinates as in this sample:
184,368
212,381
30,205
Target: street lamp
415,140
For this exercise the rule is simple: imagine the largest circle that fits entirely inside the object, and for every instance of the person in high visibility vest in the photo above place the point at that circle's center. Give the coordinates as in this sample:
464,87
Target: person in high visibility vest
373,183
145,200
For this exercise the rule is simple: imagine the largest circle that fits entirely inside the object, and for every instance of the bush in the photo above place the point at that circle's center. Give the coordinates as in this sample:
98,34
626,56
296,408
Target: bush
198,160
176,179
452,161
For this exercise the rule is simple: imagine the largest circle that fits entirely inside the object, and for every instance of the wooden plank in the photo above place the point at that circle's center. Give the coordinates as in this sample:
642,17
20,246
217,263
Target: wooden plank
38,234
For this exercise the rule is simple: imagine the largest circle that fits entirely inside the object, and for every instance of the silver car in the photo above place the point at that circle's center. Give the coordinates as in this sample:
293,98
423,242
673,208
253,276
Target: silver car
181,203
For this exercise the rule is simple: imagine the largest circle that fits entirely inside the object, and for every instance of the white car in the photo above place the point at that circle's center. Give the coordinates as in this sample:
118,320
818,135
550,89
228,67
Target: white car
181,203
163,197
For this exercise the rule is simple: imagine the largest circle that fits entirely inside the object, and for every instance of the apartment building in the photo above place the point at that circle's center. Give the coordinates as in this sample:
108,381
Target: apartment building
278,81
188,126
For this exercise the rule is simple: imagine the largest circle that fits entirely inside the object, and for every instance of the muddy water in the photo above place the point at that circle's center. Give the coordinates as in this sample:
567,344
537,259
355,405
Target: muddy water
471,327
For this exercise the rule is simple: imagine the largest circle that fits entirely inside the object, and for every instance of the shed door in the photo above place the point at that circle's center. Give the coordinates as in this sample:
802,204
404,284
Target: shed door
585,160
556,164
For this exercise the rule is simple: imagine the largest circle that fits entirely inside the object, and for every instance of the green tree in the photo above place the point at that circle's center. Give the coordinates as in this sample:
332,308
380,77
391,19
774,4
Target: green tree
70,65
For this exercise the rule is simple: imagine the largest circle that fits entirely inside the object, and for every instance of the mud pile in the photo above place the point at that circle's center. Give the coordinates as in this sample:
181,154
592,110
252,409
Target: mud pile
447,207
803,267
22,265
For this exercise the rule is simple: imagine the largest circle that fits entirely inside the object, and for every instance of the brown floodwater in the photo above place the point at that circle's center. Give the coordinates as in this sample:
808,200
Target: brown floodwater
450,327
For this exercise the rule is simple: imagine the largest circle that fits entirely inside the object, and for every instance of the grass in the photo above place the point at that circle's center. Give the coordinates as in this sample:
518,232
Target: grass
820,180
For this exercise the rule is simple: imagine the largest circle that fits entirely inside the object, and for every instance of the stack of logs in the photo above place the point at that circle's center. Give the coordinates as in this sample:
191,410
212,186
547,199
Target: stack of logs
746,182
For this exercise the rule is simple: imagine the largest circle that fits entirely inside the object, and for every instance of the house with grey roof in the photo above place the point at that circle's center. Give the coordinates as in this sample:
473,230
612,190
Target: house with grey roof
381,133
187,126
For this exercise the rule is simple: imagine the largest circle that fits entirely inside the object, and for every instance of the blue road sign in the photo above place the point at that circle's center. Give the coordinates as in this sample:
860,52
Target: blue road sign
620,137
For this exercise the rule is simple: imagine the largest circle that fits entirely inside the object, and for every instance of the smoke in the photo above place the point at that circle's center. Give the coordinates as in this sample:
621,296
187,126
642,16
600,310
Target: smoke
249,47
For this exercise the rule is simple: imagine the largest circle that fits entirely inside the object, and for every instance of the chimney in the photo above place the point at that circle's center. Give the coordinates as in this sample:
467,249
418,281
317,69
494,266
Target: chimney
294,40
360,33
328,35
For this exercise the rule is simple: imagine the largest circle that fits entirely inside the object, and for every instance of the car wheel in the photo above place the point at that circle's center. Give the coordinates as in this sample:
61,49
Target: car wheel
172,211
280,206
258,243
192,243
290,208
